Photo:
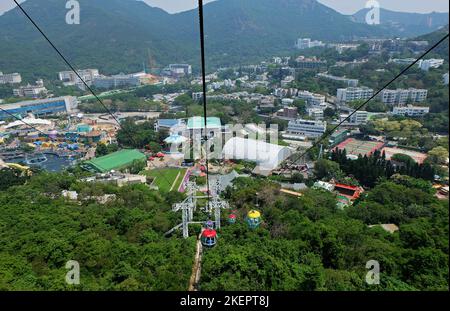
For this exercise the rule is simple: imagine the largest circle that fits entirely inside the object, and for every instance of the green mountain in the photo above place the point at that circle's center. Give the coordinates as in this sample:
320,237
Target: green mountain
407,24
123,35
114,35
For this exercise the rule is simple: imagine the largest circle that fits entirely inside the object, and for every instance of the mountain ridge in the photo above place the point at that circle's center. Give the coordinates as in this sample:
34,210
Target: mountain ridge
121,35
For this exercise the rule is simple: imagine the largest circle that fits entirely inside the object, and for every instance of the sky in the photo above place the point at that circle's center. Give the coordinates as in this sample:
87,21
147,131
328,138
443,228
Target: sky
343,6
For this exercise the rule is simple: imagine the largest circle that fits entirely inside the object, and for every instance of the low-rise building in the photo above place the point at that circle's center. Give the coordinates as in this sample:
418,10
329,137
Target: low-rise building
312,99
349,82
338,136
427,64
31,91
197,96
359,117
307,43
303,62
315,113
411,111
71,78
302,129
120,80
288,112
178,70
40,107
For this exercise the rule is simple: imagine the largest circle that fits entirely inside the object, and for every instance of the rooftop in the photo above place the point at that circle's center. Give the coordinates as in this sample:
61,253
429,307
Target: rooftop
116,160
195,123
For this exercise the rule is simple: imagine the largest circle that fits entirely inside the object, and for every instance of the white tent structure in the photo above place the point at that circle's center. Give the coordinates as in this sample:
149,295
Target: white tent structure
267,156
30,121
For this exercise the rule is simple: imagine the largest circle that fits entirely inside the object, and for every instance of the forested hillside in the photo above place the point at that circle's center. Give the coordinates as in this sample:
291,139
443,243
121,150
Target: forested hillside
303,244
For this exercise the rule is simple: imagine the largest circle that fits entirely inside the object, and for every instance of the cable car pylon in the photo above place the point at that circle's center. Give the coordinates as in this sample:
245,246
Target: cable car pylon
190,204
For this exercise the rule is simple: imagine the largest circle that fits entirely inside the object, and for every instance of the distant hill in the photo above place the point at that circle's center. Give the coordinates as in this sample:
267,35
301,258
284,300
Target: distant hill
407,24
123,35
114,35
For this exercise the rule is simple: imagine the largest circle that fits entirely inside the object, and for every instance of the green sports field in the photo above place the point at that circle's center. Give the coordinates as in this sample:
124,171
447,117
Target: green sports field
165,178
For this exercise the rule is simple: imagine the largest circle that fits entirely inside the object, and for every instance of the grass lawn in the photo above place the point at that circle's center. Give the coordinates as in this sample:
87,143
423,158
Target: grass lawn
165,177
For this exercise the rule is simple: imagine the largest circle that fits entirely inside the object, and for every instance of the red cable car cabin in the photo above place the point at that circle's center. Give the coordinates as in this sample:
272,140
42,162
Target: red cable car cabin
209,237
232,218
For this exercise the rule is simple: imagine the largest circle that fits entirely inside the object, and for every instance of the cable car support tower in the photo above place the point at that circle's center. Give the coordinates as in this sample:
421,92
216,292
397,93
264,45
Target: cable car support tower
190,204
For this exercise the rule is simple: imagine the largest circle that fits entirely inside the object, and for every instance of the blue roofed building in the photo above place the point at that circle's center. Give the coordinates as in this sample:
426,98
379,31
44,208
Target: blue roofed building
40,108
167,124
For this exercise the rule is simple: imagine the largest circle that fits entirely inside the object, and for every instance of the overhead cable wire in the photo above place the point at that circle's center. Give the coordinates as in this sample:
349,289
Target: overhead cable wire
205,113
329,132
84,82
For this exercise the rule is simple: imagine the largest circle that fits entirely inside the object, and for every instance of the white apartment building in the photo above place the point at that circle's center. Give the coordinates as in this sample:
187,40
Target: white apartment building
402,61
315,113
179,70
427,64
31,91
411,111
70,78
307,43
402,96
120,80
302,129
354,93
197,96
359,117
311,99
10,78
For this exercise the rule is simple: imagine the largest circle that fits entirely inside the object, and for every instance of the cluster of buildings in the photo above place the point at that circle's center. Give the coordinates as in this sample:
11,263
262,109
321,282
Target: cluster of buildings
303,62
345,194
92,77
69,78
307,43
357,118
177,70
31,91
424,64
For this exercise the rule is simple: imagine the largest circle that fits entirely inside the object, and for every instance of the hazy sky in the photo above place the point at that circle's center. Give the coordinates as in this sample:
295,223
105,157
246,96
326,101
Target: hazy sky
343,6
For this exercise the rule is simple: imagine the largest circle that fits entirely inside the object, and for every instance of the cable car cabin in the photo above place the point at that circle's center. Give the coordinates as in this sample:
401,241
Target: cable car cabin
209,238
253,219
232,219
209,224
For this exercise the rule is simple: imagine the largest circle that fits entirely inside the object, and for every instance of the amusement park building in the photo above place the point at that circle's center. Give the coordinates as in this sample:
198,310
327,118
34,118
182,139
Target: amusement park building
267,156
